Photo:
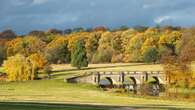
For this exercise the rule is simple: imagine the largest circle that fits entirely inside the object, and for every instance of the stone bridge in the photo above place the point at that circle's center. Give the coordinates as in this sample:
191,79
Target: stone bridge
119,78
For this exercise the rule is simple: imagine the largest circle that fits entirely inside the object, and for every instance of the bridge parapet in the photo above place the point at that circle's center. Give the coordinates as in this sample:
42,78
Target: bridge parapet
119,77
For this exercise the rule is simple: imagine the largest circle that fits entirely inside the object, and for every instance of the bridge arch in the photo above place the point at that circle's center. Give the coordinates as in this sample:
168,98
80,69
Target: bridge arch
157,83
158,80
130,80
153,80
106,82
131,83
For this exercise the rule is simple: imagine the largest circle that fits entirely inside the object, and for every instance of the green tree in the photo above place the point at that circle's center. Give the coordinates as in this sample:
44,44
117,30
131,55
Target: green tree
151,55
2,54
79,55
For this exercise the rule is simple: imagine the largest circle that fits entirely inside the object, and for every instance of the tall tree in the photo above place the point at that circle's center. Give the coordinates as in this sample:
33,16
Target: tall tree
79,55
151,55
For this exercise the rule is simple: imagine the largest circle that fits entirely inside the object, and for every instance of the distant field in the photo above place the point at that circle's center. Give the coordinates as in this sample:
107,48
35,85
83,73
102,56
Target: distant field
114,67
65,70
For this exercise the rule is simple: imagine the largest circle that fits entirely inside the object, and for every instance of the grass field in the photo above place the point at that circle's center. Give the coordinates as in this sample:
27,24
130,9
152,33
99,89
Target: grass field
55,94
46,93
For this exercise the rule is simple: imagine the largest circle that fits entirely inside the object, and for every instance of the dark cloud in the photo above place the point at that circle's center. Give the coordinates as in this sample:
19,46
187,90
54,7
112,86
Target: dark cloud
26,15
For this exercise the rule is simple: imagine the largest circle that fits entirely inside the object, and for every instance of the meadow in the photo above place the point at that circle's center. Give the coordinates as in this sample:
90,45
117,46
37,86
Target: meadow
55,94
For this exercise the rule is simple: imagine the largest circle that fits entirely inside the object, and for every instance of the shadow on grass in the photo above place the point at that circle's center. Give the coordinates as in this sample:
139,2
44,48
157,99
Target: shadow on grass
160,107
54,106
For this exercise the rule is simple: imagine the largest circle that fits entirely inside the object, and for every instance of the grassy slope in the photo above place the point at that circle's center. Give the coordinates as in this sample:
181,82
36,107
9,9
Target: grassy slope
55,91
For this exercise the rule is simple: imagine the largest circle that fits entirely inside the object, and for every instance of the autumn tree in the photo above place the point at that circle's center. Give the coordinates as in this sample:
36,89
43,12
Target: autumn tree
151,55
18,68
21,68
67,31
43,36
92,44
105,51
116,44
7,34
74,37
57,50
38,62
178,66
2,54
79,55
171,40
26,46
55,31
100,28
125,38
134,47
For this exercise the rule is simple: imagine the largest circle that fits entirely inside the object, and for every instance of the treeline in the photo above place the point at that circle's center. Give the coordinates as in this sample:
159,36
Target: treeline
98,45
102,45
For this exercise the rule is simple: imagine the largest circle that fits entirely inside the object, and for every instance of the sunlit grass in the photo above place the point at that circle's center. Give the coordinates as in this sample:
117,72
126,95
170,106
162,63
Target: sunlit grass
56,91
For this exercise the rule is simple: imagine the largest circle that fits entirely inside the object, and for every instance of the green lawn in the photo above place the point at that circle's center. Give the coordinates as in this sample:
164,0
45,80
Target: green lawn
55,94
46,93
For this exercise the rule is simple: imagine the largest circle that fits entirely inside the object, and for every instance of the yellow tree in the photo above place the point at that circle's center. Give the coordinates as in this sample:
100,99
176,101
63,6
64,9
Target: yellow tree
126,37
57,50
26,46
105,51
38,62
18,68
92,43
171,40
134,47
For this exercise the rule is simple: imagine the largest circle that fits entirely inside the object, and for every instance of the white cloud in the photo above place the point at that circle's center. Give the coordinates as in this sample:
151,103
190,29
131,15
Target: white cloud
161,19
38,2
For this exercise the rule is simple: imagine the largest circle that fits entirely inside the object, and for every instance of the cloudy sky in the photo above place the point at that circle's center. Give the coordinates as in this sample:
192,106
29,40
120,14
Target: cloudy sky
25,15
